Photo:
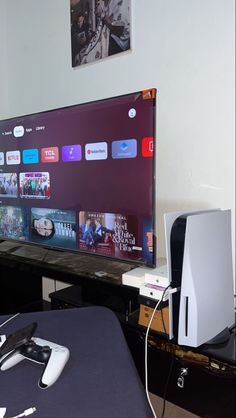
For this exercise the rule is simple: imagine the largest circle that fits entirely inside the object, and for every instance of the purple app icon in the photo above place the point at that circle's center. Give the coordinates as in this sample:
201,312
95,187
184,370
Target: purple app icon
71,153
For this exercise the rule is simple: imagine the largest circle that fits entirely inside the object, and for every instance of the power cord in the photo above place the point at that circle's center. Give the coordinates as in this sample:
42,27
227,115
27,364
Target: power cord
146,347
163,298
167,384
171,364
146,365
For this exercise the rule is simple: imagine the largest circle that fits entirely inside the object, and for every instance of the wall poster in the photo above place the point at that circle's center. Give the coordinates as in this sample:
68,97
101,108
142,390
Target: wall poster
99,29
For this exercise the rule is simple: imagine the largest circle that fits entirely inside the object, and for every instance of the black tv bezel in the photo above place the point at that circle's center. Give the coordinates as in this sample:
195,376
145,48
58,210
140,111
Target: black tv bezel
77,251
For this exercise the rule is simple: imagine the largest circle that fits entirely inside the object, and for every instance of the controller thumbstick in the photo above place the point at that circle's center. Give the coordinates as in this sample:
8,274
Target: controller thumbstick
46,349
45,352
29,347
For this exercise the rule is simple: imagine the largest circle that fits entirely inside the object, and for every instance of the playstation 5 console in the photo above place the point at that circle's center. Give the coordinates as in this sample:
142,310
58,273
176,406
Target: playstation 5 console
199,261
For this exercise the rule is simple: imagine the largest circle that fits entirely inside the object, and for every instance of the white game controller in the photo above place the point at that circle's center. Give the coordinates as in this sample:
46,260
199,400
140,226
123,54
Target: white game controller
54,357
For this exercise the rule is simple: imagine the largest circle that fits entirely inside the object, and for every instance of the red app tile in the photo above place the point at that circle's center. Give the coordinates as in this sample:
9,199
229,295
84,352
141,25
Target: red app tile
147,147
50,155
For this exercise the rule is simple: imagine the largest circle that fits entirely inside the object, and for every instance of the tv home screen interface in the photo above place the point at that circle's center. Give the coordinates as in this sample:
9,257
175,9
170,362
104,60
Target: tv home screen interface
82,178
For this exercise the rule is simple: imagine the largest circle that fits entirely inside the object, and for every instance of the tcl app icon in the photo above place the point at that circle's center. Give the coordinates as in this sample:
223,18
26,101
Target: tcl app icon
50,155
147,147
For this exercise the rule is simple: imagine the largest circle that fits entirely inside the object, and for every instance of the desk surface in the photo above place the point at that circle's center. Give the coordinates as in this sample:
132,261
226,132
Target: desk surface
61,263
99,380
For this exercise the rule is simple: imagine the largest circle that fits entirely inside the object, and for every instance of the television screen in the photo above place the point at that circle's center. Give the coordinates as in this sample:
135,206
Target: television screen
81,178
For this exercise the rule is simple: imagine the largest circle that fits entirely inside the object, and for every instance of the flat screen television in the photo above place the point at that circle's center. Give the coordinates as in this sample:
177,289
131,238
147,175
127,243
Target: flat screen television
81,178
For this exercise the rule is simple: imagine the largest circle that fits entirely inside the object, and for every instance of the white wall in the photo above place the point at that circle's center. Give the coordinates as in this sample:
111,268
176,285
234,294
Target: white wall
183,48
4,110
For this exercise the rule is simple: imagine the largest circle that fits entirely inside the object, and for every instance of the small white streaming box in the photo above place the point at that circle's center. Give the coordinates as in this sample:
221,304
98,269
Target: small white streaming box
135,277
157,276
151,291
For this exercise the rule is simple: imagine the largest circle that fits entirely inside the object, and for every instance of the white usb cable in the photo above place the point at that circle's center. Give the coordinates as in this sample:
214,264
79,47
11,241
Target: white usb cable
9,319
27,412
145,354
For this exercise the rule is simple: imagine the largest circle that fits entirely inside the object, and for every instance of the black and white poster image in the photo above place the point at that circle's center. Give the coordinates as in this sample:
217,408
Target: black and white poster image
99,29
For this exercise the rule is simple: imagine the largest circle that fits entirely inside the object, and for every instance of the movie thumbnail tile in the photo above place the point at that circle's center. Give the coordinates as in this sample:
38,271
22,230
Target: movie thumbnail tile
35,185
109,234
14,223
54,227
8,185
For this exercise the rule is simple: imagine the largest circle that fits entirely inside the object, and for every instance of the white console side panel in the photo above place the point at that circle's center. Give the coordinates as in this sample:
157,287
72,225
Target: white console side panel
207,279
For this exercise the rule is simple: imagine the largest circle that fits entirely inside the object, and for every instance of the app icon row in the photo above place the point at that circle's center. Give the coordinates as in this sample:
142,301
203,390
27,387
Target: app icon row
125,148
